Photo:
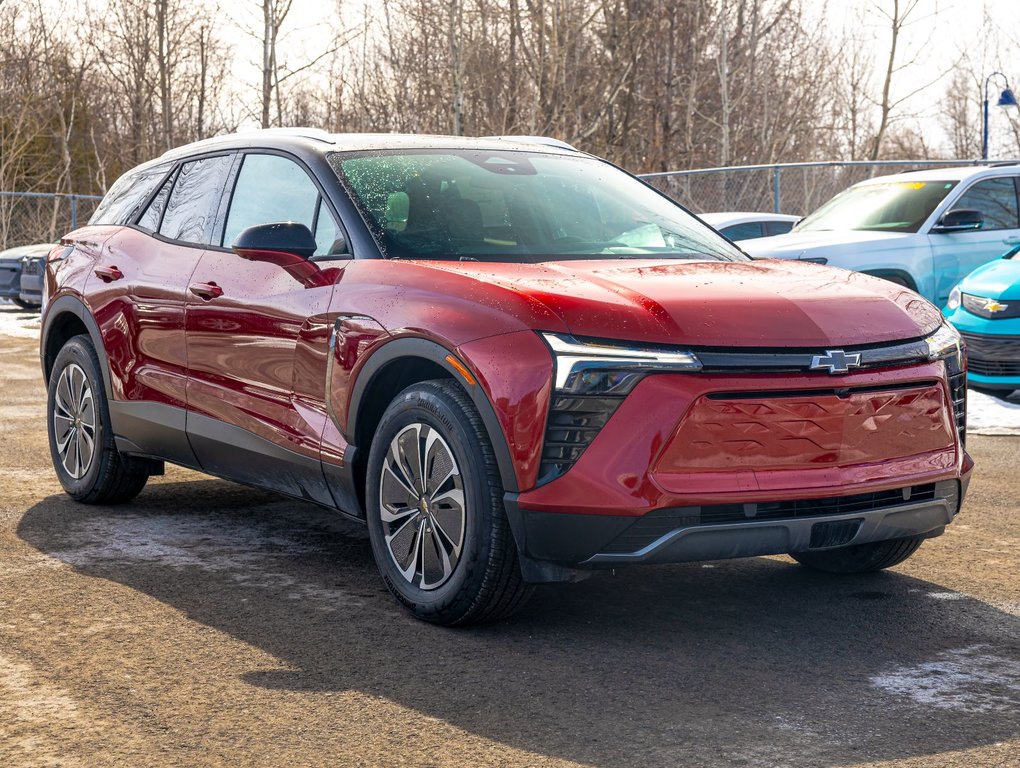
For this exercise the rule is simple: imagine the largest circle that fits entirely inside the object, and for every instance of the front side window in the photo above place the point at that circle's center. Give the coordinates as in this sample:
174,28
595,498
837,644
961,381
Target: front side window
889,206
995,199
127,194
517,206
270,189
194,199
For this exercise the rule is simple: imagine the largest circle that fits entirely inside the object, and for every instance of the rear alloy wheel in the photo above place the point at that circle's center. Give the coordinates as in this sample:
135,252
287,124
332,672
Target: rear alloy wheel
86,460
860,558
436,519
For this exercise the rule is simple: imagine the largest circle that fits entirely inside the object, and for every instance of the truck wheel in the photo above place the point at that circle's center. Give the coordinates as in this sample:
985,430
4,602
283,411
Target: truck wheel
436,519
860,558
86,460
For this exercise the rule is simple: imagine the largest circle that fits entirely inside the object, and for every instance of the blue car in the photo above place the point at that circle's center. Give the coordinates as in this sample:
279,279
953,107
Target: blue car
985,308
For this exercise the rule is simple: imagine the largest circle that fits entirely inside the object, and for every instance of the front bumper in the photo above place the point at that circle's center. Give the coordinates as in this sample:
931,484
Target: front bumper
706,466
681,535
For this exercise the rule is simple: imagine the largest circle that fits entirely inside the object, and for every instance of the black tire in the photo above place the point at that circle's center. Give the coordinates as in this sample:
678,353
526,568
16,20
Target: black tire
484,583
861,558
108,477
23,304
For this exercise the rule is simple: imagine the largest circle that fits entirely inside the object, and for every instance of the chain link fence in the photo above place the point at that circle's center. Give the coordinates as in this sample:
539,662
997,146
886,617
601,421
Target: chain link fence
795,188
40,217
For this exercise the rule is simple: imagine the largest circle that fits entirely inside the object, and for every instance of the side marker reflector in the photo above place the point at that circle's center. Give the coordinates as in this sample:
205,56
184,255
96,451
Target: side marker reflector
461,369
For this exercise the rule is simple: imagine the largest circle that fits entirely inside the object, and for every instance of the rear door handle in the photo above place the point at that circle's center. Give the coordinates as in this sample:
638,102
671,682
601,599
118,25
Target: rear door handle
108,274
206,291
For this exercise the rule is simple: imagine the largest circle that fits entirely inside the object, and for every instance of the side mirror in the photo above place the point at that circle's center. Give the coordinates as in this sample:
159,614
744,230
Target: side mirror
275,242
959,220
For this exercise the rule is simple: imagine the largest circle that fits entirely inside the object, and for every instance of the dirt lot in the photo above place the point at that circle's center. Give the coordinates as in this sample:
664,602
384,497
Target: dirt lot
210,624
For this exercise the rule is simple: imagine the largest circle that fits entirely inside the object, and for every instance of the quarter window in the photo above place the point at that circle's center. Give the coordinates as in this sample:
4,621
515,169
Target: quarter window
195,197
154,213
127,194
996,199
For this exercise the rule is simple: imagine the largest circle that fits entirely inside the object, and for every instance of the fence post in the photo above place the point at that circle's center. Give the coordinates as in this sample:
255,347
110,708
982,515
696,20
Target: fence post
74,211
776,173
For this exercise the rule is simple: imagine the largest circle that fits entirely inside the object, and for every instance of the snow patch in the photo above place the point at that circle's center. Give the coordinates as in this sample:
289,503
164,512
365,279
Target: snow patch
248,555
990,415
17,322
971,680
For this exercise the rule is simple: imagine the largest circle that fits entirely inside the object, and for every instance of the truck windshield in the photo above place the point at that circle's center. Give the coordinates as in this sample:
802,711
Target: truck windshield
518,206
890,206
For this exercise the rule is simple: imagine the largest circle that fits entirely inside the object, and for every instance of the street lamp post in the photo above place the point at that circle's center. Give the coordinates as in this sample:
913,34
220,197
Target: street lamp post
1006,99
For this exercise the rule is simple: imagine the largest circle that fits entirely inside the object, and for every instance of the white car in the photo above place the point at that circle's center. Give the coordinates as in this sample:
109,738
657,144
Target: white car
742,225
925,230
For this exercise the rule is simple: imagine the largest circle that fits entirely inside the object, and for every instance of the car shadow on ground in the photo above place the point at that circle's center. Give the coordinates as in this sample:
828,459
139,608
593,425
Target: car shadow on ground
744,661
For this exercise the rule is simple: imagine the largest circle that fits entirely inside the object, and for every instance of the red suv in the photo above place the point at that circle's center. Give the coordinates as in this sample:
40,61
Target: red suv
513,361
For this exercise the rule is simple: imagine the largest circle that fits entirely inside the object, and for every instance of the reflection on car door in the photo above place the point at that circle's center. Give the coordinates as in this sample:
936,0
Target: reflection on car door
257,337
138,300
957,254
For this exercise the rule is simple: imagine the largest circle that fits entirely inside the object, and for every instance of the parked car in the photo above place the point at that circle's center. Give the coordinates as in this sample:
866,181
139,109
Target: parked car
924,230
21,272
985,308
748,226
514,362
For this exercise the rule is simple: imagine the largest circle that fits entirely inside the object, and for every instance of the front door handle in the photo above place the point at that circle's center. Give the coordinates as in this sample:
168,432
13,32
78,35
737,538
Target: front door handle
207,291
108,274
1012,240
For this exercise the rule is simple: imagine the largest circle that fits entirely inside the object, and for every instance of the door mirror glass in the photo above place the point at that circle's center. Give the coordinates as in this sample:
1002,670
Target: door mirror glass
959,220
275,242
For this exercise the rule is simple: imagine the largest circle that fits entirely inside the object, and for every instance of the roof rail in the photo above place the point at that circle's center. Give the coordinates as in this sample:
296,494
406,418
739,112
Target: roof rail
316,134
544,140
1004,163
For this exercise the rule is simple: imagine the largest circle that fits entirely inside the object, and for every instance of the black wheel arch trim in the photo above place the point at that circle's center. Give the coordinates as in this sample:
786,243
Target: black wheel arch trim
69,304
887,273
434,352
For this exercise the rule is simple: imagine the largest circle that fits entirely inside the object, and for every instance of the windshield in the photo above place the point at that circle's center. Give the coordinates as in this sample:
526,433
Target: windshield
889,206
516,206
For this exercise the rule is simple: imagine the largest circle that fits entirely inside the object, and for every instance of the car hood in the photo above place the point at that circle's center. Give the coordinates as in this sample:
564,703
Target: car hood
795,245
999,279
712,303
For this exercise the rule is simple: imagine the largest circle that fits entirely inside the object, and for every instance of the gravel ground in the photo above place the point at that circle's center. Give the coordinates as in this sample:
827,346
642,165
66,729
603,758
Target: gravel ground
211,624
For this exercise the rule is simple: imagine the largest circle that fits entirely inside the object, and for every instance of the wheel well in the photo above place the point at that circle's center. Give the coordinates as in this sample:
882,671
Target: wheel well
64,327
393,378
895,276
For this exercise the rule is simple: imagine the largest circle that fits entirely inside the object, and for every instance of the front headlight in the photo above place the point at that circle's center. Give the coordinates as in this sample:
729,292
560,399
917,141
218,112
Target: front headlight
954,298
589,368
944,343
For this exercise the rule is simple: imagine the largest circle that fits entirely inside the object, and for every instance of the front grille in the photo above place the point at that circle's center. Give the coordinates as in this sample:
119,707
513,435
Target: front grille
573,423
958,391
995,367
32,267
657,524
982,346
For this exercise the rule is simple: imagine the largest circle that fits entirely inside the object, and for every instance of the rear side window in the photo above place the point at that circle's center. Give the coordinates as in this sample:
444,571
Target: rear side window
778,227
127,194
191,207
996,199
746,231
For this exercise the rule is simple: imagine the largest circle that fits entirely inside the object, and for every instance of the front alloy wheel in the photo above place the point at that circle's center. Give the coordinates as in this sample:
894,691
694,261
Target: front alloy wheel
436,520
421,504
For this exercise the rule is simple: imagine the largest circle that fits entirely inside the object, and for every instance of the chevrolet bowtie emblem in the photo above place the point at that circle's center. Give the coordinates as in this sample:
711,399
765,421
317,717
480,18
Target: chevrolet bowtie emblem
994,306
835,361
